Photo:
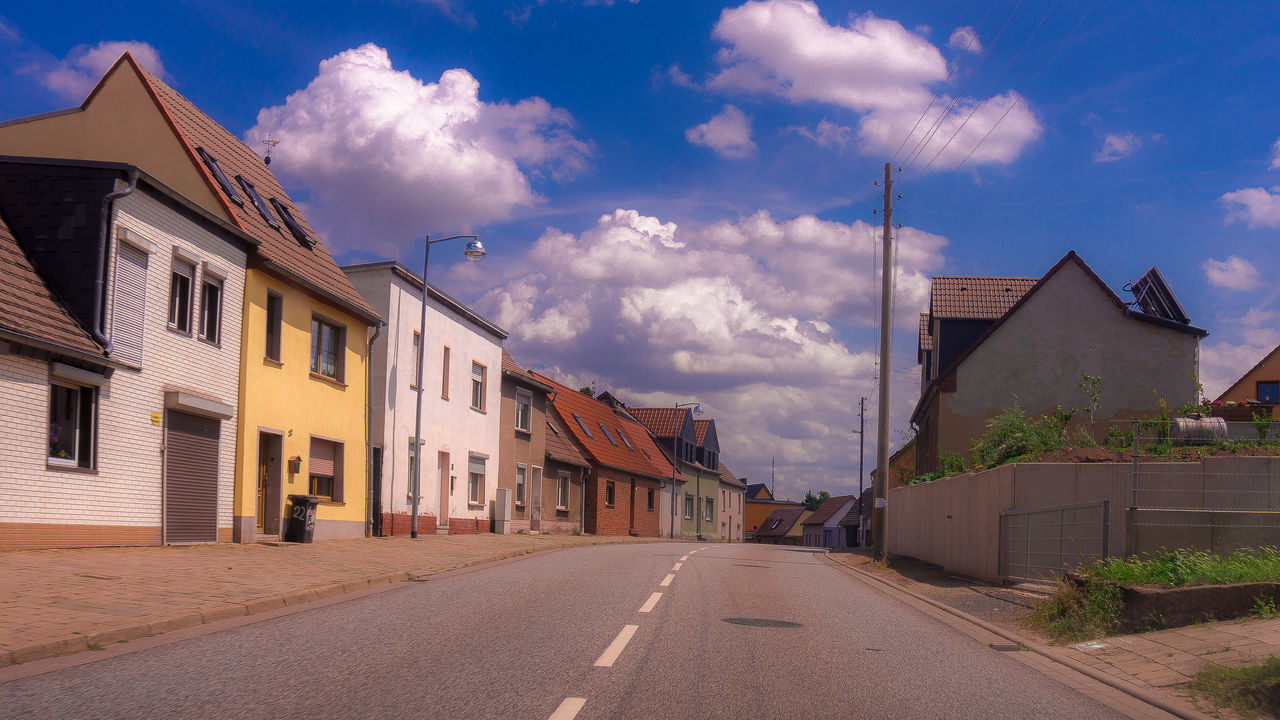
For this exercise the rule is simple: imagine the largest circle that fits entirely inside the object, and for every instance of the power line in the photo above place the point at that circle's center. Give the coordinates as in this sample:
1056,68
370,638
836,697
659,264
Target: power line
924,140
943,86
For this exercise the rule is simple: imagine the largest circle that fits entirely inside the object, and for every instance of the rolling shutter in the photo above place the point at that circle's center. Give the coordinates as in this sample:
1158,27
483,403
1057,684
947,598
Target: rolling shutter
190,478
128,305
322,458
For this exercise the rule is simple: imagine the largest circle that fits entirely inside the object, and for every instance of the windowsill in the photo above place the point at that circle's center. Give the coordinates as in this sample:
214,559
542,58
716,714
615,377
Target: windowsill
333,503
608,505
212,343
519,504
476,409
522,431
562,509
332,381
174,329
474,505
49,464
271,361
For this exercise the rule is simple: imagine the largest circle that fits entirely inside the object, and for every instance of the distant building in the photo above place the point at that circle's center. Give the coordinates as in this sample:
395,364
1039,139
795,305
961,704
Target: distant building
758,502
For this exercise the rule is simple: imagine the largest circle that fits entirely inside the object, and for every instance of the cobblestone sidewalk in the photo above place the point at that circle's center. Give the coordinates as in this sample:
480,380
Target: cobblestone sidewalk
58,602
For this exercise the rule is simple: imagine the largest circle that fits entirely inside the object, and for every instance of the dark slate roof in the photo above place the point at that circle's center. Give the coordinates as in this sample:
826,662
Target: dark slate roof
29,308
827,509
779,522
755,489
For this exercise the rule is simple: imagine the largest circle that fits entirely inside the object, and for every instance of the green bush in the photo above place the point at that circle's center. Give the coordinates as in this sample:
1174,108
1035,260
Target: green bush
1252,690
1181,568
1079,612
1011,435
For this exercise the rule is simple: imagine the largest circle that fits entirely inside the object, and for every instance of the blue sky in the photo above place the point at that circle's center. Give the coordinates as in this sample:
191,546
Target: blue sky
677,197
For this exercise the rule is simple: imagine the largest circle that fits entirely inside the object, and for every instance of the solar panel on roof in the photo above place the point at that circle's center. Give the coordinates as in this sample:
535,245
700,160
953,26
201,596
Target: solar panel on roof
1153,295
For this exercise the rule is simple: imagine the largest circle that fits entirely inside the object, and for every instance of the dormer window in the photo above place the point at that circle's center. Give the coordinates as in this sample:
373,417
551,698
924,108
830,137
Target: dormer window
220,176
256,199
290,222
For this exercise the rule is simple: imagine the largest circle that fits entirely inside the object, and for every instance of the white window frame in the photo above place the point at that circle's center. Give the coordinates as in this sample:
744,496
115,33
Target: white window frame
211,335
186,269
708,508
478,385
524,410
475,481
688,506
562,491
80,424
522,478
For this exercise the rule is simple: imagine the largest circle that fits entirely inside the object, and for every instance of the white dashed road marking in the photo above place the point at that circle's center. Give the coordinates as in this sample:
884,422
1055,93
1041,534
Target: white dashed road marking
667,580
676,568
683,558
568,709
612,652
648,604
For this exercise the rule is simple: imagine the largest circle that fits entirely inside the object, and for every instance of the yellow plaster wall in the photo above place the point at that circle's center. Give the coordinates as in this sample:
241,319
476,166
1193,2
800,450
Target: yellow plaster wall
122,123
286,397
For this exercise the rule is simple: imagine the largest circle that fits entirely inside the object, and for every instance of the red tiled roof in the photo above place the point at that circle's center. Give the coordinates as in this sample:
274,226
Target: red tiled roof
926,339
660,421
727,475
569,402
700,430
511,367
27,305
985,298
560,447
827,509
312,265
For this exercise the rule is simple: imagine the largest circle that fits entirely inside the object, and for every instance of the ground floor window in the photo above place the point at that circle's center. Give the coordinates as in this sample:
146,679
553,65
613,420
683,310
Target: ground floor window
609,493
73,411
650,499
562,492
475,480
688,507
324,469
707,508
521,472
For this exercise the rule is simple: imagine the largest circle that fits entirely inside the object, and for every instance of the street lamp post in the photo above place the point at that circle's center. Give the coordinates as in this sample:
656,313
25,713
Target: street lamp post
474,252
675,439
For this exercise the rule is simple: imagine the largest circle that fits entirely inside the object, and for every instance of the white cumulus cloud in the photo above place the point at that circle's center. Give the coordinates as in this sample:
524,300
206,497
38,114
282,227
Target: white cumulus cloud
875,67
763,320
385,156
1255,207
1117,147
74,76
1275,155
965,39
1234,273
826,133
728,133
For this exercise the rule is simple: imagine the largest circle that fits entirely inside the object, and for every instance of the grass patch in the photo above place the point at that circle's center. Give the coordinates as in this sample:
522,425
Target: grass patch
1252,690
1183,568
1079,612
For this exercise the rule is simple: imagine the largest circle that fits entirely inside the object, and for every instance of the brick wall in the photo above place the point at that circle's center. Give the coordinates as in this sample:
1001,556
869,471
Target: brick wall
616,519
469,526
31,536
398,524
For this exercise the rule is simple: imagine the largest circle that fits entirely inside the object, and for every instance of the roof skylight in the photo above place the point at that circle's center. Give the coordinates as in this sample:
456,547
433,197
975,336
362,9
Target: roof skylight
625,440
290,222
607,436
252,192
220,176
582,425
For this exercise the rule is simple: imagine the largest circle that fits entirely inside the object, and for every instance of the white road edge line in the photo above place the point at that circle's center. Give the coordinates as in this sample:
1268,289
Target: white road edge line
683,558
676,567
612,652
568,709
667,580
648,604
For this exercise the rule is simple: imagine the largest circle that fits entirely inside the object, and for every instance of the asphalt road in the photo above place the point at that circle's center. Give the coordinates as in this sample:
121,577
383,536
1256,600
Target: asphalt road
548,635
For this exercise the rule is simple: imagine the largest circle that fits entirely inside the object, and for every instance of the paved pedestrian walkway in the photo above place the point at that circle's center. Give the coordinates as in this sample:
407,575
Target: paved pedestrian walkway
1146,665
58,602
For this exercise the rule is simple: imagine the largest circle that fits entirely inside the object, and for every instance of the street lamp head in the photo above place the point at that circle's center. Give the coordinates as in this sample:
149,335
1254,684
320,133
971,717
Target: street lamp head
697,410
474,250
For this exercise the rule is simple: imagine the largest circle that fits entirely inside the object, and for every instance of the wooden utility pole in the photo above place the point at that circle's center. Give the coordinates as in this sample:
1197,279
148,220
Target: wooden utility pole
886,332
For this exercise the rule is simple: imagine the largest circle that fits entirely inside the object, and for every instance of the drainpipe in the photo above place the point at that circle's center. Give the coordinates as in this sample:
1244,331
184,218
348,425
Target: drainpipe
99,324
368,432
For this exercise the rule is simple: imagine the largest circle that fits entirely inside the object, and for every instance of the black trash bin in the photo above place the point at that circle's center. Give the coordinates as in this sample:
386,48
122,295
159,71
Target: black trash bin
301,527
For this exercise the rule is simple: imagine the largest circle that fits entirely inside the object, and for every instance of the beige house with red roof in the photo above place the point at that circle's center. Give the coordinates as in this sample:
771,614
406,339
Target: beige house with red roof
628,471
304,330
989,343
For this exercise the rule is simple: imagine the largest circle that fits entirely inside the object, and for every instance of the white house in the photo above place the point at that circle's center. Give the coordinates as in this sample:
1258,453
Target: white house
119,397
461,399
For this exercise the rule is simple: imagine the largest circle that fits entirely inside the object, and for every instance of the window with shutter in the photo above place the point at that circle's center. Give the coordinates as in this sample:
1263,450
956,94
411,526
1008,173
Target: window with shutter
324,468
477,386
129,304
475,480
415,361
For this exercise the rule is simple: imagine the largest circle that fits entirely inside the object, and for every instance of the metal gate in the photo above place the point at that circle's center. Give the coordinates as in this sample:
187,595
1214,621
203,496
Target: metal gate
190,478
1042,543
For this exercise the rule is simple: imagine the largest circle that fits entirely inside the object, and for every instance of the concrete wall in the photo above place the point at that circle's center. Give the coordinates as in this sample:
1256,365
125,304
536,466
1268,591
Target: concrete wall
955,522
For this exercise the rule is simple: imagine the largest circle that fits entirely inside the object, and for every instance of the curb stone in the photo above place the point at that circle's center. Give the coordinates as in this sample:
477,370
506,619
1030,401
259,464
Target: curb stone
204,615
1118,683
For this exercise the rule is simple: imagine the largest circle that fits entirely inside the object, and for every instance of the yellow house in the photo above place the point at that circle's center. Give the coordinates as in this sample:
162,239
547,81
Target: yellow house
306,331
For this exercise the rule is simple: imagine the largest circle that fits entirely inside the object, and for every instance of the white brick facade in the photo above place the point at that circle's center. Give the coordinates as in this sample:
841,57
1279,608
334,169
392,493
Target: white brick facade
126,488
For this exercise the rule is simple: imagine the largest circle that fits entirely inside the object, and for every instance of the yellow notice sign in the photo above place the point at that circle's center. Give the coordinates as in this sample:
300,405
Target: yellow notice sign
155,419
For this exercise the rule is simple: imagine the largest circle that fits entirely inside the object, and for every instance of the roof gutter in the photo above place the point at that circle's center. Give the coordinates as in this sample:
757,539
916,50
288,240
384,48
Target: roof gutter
368,432
98,328
372,319
57,349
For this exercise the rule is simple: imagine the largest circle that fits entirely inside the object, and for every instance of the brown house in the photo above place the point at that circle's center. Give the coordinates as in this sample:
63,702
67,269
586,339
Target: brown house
627,471
543,499
569,470
994,342
1257,391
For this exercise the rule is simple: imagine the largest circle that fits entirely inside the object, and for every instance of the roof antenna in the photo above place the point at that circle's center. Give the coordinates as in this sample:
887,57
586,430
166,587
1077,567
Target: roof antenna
771,483
271,143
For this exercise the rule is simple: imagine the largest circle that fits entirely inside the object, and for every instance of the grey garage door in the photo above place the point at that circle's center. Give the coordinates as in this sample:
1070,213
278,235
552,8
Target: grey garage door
190,478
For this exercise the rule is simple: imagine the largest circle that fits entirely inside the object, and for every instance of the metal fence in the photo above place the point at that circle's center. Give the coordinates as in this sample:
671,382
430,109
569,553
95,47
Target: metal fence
1042,543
